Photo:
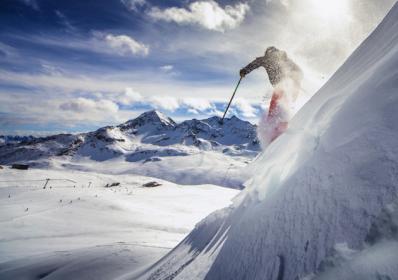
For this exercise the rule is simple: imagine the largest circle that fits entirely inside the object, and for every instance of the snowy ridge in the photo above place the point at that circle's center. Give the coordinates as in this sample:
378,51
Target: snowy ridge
317,209
149,132
4,139
199,151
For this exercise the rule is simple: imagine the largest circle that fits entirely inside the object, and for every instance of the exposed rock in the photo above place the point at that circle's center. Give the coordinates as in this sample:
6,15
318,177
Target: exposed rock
151,184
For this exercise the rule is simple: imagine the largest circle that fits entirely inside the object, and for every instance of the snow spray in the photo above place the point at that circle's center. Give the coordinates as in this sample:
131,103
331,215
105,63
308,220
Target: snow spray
282,107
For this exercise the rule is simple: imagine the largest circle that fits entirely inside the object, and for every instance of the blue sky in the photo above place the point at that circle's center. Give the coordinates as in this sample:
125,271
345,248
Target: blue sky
69,66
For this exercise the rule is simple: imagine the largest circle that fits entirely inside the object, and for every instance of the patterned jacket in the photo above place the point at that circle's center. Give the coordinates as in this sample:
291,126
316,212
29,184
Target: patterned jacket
278,66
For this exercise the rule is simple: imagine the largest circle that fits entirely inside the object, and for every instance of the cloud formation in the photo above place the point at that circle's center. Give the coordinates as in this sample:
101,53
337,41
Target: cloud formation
65,72
82,104
167,103
166,68
129,96
197,105
207,14
133,5
122,44
64,21
245,108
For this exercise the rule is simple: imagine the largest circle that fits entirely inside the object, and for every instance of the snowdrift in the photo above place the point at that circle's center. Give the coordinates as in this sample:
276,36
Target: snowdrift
322,200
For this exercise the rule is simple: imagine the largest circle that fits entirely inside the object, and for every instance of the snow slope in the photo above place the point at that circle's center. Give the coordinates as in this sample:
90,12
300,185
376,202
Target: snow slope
79,229
322,200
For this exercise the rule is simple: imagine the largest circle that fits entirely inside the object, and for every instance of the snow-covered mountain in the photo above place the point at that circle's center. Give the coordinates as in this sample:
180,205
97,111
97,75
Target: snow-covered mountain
150,136
151,145
4,139
322,202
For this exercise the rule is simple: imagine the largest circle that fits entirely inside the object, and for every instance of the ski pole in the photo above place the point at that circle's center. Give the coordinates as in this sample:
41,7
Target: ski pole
230,101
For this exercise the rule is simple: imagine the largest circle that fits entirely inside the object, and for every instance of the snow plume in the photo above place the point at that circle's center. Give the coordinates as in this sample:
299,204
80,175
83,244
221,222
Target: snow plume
207,14
321,33
291,101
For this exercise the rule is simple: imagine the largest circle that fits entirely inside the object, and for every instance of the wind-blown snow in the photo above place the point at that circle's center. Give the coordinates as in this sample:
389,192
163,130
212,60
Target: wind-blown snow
319,191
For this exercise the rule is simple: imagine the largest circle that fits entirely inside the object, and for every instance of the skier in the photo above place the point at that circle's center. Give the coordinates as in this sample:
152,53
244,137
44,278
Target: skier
285,77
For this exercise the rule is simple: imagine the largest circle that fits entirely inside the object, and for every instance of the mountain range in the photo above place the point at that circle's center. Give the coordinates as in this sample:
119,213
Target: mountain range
149,137
191,152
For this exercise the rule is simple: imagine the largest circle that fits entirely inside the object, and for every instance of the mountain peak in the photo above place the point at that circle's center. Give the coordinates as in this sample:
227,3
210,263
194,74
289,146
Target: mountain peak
157,116
216,121
153,117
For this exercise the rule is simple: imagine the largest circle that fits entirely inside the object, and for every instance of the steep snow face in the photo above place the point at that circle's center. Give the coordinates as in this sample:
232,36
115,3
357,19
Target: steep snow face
318,191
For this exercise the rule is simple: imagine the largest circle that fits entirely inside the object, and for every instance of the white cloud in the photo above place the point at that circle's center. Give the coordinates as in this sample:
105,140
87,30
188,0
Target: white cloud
207,14
63,90
85,105
164,103
64,21
283,2
129,96
168,103
245,108
167,68
8,51
58,109
148,83
132,97
197,104
97,108
122,44
133,5
126,45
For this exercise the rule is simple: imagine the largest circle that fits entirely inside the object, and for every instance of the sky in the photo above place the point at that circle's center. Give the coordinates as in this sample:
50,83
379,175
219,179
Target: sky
73,66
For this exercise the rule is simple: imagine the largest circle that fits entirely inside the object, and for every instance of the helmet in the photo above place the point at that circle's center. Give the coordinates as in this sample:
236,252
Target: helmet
270,50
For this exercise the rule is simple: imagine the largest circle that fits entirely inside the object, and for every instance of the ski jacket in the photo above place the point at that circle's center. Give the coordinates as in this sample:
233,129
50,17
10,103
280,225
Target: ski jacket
278,66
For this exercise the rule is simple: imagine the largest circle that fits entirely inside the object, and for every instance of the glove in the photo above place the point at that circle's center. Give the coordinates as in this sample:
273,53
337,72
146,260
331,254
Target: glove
242,73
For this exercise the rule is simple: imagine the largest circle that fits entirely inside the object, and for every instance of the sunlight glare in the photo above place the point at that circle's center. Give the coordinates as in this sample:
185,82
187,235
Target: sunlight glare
331,10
